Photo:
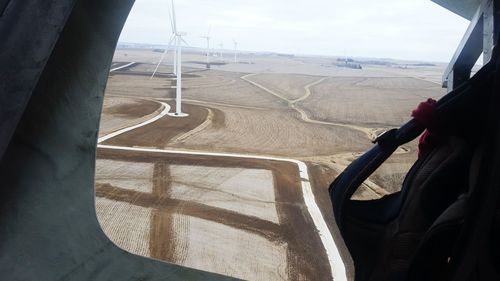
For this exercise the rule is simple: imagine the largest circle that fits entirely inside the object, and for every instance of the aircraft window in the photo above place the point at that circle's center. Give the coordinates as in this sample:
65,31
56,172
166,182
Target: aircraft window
224,124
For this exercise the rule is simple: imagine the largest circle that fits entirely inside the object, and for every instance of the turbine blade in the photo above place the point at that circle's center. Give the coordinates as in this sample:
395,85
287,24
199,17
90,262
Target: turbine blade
162,56
171,20
173,17
172,38
182,39
158,65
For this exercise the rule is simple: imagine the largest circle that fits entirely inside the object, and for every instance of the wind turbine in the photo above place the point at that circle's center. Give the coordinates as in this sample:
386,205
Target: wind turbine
208,45
177,39
221,48
235,51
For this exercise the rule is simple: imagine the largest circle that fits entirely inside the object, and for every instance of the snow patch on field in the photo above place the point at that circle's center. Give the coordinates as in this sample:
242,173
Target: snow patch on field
128,226
245,191
128,175
214,247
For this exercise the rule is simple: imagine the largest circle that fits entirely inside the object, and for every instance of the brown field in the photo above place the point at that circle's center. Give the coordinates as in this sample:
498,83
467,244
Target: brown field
244,217
123,112
371,102
163,204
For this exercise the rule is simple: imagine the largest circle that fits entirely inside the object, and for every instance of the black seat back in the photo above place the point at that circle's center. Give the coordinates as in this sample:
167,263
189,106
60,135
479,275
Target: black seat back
414,234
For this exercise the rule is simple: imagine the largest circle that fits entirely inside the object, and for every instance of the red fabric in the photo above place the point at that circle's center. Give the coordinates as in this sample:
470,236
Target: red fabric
426,114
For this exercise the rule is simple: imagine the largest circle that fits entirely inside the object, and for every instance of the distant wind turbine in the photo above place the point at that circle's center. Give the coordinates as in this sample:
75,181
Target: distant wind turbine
177,39
208,45
235,51
221,48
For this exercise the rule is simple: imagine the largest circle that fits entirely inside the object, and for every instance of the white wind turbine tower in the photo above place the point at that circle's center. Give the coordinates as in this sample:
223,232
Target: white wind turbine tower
208,45
177,39
220,50
235,51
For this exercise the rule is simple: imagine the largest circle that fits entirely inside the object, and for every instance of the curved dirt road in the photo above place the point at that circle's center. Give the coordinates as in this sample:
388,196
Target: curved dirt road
370,132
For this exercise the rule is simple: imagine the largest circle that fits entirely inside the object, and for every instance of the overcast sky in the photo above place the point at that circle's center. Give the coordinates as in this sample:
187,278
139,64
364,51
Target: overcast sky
402,29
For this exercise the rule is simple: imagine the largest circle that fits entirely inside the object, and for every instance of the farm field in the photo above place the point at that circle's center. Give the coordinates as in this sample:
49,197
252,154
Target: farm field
239,187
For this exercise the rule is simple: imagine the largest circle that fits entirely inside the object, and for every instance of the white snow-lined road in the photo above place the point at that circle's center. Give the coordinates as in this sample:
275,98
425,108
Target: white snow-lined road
166,109
122,66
